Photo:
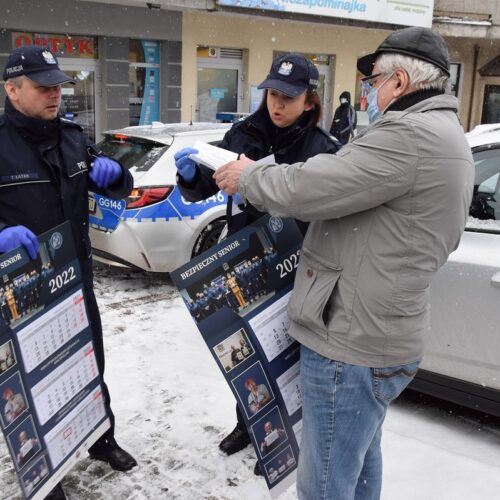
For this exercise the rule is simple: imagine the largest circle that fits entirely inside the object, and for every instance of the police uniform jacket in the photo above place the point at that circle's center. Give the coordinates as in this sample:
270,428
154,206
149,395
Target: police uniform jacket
44,181
44,177
257,137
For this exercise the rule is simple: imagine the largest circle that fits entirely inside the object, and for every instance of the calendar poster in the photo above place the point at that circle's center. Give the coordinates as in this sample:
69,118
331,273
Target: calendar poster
237,293
51,406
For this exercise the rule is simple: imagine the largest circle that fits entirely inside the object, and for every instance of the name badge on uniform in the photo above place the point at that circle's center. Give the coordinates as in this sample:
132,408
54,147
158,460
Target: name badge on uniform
19,178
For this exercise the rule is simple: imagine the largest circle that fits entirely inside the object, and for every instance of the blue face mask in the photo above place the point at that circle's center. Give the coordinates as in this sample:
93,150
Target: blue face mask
372,109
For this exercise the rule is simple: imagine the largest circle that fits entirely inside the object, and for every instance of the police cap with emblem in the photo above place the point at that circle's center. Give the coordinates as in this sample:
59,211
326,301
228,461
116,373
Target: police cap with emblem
36,63
421,43
292,74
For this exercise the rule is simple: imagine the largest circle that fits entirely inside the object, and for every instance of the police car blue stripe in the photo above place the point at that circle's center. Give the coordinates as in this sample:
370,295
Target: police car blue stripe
174,208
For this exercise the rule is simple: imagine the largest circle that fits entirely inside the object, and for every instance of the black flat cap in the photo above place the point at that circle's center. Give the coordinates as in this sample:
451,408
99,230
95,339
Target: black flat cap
421,43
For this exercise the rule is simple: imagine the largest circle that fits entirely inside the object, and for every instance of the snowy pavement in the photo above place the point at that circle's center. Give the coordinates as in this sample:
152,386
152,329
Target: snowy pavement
172,408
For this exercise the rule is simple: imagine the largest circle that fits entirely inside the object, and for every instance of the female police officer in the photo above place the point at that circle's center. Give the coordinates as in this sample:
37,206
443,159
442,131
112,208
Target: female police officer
286,125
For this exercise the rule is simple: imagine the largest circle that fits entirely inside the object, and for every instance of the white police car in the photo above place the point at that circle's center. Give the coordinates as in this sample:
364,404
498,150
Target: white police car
155,229
462,358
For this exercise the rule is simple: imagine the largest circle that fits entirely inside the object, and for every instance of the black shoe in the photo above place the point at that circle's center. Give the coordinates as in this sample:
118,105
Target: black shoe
107,450
57,493
236,441
257,470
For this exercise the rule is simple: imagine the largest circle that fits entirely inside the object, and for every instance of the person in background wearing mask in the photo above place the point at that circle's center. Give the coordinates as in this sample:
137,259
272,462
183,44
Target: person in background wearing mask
385,212
286,125
345,119
47,167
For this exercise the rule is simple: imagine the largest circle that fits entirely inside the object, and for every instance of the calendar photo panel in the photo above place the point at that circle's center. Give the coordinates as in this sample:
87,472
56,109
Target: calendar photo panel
241,273
7,357
280,465
234,350
254,390
20,287
14,402
269,432
24,443
34,476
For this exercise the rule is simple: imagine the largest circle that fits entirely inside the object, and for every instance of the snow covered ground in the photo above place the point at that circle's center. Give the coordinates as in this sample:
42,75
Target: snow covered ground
172,407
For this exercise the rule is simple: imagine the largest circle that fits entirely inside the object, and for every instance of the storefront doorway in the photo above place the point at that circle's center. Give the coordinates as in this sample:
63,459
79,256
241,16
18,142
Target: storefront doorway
324,63
80,101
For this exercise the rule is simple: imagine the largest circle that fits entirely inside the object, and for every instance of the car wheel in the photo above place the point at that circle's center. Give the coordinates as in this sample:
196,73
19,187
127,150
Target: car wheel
208,237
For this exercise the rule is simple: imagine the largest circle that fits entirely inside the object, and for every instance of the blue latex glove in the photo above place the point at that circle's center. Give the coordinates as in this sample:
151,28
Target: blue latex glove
15,236
185,166
237,199
105,171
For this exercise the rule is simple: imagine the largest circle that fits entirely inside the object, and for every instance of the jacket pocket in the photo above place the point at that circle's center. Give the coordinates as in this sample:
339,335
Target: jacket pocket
315,282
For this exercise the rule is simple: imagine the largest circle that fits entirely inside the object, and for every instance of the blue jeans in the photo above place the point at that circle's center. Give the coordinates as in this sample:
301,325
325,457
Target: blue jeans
343,408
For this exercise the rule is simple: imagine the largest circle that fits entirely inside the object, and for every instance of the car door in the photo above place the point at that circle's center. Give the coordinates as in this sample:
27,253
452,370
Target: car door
464,340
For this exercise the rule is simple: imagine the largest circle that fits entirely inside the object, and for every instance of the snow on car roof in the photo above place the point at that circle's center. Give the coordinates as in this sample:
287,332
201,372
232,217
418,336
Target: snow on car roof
163,132
484,134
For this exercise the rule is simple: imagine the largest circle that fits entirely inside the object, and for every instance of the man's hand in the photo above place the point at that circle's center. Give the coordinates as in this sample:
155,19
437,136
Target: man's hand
185,166
15,236
228,176
105,171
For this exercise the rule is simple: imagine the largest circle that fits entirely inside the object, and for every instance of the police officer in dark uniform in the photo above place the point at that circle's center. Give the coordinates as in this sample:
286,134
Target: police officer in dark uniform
257,267
242,278
47,167
194,309
286,125
4,308
218,295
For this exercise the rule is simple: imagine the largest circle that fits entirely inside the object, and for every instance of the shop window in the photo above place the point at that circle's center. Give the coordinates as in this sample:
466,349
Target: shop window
219,84
144,84
491,104
78,100
455,73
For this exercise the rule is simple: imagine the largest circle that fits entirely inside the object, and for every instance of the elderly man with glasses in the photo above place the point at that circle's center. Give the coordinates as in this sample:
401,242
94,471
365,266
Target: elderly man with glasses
385,213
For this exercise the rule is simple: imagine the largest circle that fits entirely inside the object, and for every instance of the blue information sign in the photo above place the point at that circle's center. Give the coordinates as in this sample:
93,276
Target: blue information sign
150,110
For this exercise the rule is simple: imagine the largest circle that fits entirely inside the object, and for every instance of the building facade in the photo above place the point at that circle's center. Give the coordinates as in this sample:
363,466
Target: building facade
136,62
126,60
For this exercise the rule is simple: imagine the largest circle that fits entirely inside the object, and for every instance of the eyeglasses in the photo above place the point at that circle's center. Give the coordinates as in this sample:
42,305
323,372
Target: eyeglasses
367,82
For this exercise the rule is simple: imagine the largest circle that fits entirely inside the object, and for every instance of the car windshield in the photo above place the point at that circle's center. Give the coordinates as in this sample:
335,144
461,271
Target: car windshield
136,155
